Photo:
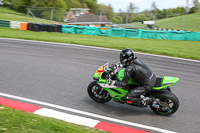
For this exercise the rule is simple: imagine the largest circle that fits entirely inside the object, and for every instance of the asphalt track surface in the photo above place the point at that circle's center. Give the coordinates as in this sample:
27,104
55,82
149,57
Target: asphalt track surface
60,74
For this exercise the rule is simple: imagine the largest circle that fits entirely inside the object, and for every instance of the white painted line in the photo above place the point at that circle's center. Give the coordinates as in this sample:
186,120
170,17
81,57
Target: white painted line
76,45
67,117
88,114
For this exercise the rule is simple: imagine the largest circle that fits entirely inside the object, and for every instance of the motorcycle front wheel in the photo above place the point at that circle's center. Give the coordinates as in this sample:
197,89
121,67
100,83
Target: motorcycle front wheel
97,93
169,103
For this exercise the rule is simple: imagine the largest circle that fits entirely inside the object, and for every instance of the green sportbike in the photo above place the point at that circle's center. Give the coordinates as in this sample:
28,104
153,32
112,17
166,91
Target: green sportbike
160,99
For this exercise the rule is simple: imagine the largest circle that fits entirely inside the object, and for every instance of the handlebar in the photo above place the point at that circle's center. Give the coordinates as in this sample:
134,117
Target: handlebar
113,71
115,66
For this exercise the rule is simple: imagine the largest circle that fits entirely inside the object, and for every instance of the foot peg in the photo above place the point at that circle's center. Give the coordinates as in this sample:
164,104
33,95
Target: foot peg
145,100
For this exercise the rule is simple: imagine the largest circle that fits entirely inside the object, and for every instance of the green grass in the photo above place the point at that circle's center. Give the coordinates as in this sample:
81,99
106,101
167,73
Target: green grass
11,15
15,121
8,10
183,49
190,22
187,22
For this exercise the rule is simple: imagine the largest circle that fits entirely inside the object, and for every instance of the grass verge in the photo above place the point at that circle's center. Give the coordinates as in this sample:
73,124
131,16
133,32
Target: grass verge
11,15
15,121
183,49
189,22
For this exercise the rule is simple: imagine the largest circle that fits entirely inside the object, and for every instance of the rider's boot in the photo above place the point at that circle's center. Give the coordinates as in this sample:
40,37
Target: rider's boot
134,95
129,98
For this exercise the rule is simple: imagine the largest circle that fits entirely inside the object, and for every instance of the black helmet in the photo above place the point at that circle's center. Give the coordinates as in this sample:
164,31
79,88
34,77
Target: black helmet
126,55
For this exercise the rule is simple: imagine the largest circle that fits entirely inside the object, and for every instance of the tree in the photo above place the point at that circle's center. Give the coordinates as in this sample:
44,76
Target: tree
131,7
22,5
92,4
116,19
154,6
46,8
148,14
9,3
154,9
187,7
141,18
196,4
130,12
193,10
122,16
50,3
107,10
181,10
72,4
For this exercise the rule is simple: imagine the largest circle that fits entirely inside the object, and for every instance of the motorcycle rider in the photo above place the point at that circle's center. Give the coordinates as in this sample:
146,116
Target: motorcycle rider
139,71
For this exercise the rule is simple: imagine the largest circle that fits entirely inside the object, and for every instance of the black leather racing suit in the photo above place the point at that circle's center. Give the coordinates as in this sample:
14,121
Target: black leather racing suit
142,74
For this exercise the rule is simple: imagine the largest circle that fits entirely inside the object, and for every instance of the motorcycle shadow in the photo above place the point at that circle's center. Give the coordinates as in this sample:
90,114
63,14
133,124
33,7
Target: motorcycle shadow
118,108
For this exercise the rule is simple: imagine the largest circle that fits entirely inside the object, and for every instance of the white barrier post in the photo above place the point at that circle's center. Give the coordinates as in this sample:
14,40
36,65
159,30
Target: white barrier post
15,24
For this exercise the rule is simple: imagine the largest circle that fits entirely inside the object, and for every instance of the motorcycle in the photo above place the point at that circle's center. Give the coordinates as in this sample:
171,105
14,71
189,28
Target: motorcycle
160,99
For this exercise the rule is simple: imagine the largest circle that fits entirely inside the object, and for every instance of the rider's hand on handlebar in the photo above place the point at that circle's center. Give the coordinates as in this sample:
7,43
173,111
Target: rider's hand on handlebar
119,65
115,66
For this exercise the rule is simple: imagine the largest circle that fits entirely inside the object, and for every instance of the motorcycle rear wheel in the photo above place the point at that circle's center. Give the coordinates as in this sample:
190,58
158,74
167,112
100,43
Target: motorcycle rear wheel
169,103
97,93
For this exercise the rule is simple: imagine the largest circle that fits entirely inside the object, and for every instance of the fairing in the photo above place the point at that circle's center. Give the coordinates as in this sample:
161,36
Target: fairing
98,74
166,82
119,93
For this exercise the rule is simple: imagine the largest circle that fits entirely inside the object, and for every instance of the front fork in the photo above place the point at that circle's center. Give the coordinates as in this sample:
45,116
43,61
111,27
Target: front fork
101,90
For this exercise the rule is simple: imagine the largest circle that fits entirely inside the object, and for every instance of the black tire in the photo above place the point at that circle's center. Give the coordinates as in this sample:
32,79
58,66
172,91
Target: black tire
97,93
169,101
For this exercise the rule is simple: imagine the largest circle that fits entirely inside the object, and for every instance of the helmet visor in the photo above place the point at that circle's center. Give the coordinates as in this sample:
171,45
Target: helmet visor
123,60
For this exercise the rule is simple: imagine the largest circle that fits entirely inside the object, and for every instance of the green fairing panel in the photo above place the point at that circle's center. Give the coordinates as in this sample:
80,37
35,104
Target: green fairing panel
166,82
97,75
115,95
167,79
120,76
